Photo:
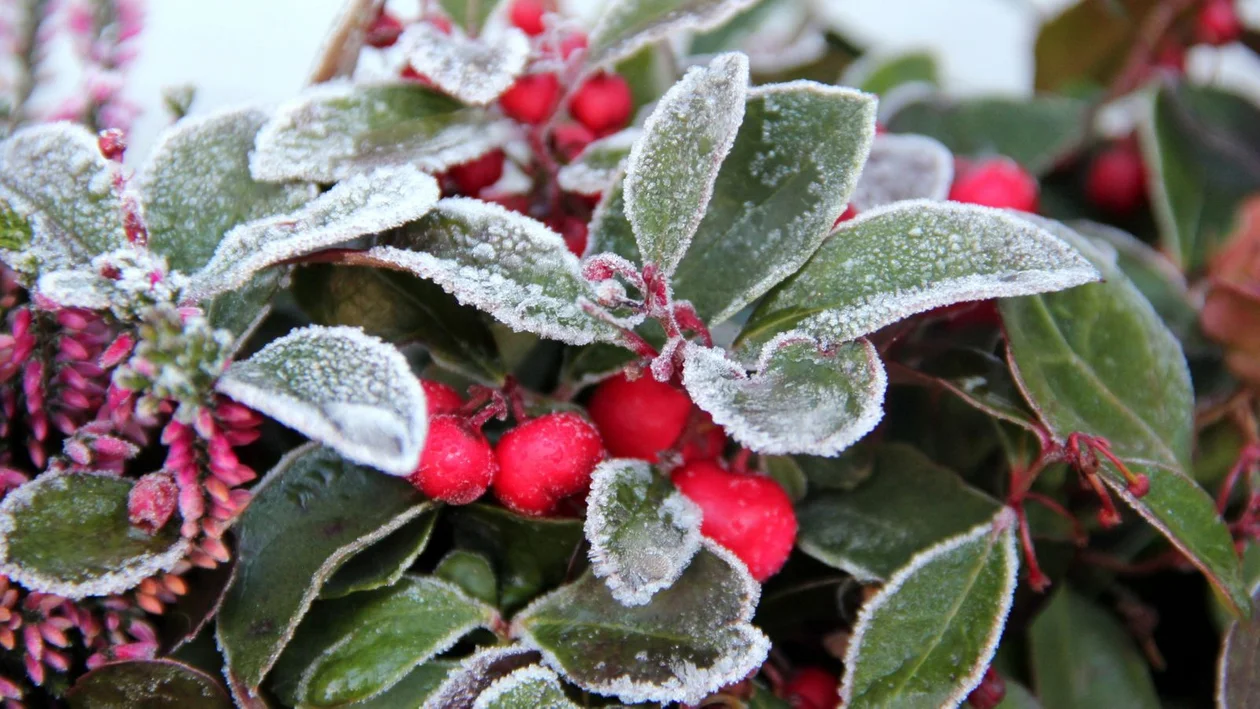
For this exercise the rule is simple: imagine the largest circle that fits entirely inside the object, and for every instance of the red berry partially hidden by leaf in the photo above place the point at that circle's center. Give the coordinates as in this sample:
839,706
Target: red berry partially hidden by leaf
603,103
812,688
545,460
706,440
476,175
527,16
573,230
638,418
384,31
571,139
1217,23
532,99
748,514
996,182
1116,182
990,692
440,398
457,465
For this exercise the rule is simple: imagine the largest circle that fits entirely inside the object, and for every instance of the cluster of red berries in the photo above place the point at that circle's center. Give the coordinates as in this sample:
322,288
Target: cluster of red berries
812,688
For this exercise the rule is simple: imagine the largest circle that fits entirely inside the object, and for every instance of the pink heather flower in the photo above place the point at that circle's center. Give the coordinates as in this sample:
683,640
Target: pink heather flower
152,502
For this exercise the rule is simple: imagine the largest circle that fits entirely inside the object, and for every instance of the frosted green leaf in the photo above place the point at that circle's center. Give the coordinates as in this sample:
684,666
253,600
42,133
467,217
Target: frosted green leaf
672,167
412,690
385,562
800,400
627,25
795,162
361,205
596,168
927,637
76,288
356,647
147,684
610,230
196,186
474,71
533,687
478,672
643,532
689,640
54,178
349,391
44,523
901,167
1238,671
909,257
503,263
470,571
881,73
337,130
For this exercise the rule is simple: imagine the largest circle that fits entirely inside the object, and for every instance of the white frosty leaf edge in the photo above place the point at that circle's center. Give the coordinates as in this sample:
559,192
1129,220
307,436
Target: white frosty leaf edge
717,13
1222,661
580,177
304,418
475,71
505,685
123,577
74,288
321,575
745,431
438,647
689,684
891,167
1002,524
451,691
723,85
364,204
606,563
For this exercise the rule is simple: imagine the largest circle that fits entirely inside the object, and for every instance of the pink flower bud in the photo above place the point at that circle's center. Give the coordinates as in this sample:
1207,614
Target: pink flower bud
33,641
34,669
78,451
136,651
112,144
72,349
152,502
118,350
73,319
204,423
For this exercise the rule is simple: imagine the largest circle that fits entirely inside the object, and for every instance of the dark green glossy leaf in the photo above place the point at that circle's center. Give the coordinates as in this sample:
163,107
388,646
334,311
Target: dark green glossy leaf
626,26
688,641
401,308
240,311
383,563
788,473
196,186
1087,43
879,75
1098,360
147,684
529,555
44,523
472,572
907,505
1083,658
411,691
650,71
1035,133
310,514
927,637
729,36
1238,678
1018,697
795,161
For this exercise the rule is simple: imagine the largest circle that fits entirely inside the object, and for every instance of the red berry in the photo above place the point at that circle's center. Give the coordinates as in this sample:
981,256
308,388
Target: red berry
603,103
1116,182
476,175
532,99
527,16
571,43
706,441
384,31
571,139
545,460
638,418
748,514
518,203
442,24
112,143
812,688
457,465
573,230
1217,23
990,692
997,182
440,398
1171,56
409,74
849,212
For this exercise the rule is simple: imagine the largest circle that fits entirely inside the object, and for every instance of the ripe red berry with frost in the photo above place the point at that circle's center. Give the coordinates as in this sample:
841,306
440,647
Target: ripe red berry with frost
457,465
112,144
638,418
571,139
995,182
573,230
518,203
812,688
705,441
990,692
849,212
1116,182
384,31
603,104
532,99
748,514
527,16
545,460
476,175
440,398
442,24
1217,23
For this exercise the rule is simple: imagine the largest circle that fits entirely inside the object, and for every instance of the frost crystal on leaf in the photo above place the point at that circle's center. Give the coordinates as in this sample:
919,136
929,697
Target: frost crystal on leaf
643,532
533,686
341,387
595,169
688,641
627,25
506,264
339,130
901,167
139,279
908,257
801,399
362,205
54,177
196,186
672,167
478,672
474,71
